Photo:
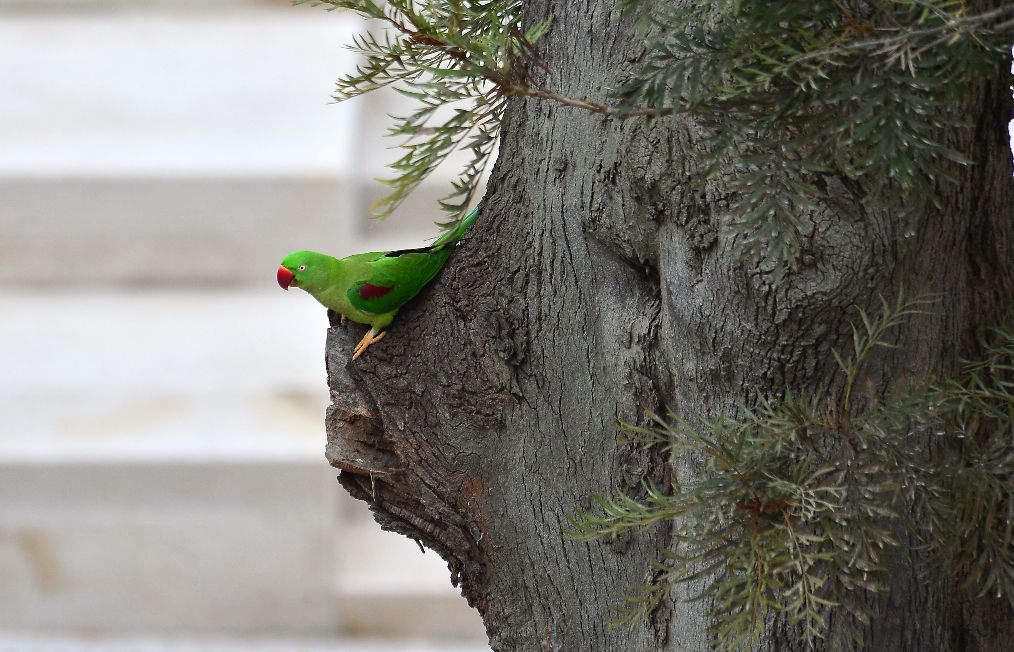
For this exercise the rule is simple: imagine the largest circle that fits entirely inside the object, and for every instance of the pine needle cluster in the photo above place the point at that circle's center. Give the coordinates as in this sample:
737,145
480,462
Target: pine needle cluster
458,61
800,96
802,502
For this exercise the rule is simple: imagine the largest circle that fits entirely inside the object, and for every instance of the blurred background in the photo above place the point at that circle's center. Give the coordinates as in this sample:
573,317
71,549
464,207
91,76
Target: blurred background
162,478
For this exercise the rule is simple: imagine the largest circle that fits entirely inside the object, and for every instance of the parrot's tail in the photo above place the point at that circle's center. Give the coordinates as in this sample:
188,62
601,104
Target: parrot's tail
455,234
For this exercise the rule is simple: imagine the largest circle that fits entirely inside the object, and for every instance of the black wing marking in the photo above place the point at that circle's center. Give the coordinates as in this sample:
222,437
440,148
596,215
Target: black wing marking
402,252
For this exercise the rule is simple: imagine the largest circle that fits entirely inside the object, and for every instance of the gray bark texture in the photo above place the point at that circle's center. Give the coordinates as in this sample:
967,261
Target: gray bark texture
596,287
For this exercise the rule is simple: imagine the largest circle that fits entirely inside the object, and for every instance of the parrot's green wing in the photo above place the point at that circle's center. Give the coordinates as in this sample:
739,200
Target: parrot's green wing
386,281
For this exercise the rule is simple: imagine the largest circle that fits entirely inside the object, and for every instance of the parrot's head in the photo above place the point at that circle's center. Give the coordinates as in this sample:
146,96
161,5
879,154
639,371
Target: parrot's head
304,269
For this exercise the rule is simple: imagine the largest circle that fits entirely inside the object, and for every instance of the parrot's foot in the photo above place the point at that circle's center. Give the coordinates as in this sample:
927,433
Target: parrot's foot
371,337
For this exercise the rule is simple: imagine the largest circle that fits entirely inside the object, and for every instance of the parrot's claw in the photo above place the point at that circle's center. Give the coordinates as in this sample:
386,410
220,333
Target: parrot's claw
371,337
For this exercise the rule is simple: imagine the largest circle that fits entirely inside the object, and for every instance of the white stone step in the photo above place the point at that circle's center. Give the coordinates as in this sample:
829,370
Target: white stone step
209,548
167,547
164,93
187,232
153,375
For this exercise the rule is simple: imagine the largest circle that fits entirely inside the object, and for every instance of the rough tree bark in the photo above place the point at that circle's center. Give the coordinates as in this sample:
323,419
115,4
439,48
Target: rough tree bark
595,287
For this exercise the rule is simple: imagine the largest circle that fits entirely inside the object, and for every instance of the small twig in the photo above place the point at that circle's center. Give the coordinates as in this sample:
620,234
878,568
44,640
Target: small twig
887,42
594,107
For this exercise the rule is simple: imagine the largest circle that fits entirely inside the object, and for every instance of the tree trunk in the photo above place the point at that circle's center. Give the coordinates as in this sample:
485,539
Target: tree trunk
596,287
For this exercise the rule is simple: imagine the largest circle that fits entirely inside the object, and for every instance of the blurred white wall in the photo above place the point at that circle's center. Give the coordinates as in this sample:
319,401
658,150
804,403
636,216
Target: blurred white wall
161,406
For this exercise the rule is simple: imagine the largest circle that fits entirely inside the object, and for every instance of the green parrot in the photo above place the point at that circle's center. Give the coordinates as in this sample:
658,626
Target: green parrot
370,288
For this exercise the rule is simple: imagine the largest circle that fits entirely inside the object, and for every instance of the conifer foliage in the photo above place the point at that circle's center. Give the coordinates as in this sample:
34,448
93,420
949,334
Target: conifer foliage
798,96
458,61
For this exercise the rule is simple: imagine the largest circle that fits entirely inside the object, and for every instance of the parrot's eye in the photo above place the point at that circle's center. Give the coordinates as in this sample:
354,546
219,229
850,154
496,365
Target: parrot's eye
302,268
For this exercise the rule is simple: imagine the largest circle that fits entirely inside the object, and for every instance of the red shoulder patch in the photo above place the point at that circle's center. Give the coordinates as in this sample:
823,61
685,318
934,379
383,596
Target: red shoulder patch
367,291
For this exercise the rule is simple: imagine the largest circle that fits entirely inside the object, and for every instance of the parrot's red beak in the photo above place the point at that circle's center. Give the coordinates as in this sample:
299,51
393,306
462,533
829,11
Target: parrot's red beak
286,278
